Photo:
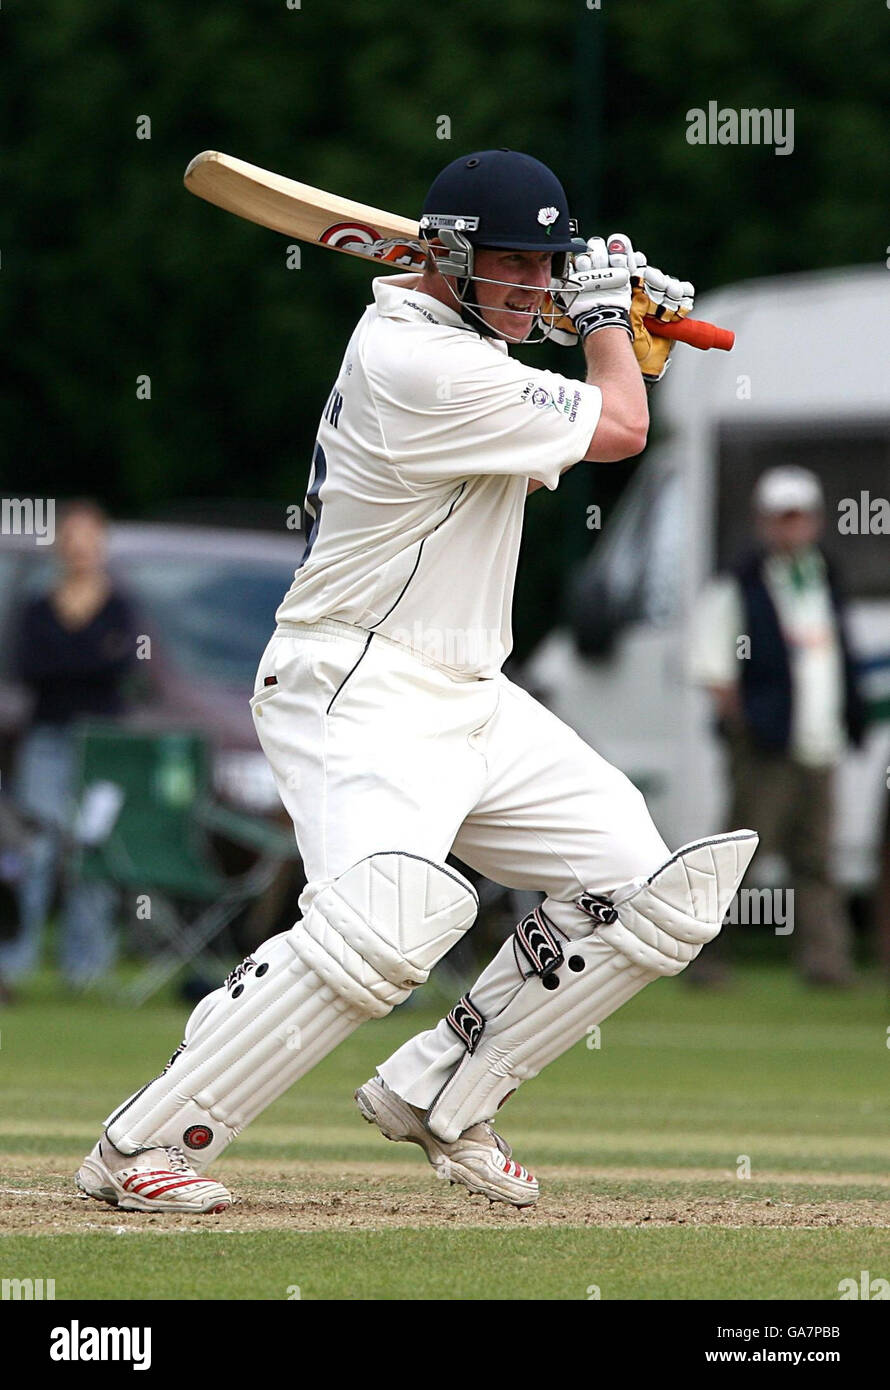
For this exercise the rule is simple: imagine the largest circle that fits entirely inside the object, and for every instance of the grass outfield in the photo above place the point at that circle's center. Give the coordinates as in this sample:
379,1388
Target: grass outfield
639,1144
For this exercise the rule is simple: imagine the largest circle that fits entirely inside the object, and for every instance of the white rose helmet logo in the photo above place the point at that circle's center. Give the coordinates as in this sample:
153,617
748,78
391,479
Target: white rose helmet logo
547,217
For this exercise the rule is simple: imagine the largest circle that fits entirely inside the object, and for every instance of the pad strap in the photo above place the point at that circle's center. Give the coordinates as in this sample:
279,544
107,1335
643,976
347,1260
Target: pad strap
537,940
467,1022
602,910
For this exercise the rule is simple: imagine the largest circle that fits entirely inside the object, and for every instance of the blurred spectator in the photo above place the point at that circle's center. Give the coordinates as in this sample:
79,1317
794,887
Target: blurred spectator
74,646
882,896
14,839
770,646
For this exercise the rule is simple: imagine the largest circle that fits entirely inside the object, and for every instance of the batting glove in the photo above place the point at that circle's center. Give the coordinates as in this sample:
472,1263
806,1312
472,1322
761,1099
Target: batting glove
596,294
657,295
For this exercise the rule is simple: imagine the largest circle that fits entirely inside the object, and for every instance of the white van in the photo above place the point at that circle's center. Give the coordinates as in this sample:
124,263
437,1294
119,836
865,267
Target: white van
808,382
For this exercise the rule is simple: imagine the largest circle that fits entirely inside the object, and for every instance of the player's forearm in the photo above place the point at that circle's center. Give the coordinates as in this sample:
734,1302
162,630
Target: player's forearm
623,425
624,422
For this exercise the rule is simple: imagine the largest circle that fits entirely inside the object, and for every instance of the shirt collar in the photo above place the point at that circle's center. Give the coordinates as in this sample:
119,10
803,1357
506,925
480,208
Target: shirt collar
397,298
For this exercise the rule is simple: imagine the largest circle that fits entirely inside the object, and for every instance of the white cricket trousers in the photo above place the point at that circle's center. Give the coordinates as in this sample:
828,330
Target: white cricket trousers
374,748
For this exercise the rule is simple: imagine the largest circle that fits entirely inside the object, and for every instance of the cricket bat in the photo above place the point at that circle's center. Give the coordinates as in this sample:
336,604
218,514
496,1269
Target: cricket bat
312,215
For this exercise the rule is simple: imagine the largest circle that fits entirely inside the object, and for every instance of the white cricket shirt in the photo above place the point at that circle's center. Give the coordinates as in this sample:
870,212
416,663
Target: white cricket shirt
419,476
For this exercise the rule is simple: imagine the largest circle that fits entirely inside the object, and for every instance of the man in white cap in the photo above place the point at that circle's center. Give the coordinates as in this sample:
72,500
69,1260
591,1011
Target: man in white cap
769,644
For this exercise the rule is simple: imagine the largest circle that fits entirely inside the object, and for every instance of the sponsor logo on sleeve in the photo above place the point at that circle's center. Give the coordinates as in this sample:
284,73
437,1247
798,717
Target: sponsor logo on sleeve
535,395
568,402
562,400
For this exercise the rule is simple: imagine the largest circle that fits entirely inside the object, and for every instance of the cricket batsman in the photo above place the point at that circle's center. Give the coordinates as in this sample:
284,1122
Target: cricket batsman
395,739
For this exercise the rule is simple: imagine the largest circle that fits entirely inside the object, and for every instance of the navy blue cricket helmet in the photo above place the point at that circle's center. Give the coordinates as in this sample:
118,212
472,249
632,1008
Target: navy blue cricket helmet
503,199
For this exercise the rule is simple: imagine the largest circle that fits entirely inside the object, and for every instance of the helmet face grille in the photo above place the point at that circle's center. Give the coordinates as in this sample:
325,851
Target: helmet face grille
456,256
515,201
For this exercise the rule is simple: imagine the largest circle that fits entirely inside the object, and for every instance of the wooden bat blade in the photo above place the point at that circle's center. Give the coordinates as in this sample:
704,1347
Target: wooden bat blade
303,212
310,214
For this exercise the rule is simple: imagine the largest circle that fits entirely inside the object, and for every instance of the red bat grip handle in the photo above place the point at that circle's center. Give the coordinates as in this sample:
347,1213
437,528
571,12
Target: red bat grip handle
693,331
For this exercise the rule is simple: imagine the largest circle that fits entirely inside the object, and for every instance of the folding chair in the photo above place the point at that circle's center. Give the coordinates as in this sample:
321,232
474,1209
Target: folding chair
15,834
145,816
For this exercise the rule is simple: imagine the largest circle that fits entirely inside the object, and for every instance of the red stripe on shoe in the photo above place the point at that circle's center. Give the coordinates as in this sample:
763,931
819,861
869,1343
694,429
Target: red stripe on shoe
158,1189
170,1179
142,1173
157,1192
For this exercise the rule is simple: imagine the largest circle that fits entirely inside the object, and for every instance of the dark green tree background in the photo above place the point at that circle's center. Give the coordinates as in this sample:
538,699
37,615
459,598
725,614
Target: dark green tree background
110,270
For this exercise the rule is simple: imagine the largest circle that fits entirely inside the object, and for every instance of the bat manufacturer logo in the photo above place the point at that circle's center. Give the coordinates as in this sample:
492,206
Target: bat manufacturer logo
364,240
350,236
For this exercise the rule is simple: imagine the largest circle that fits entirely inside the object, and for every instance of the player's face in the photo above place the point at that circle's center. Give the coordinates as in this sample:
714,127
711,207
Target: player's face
790,531
81,543
502,305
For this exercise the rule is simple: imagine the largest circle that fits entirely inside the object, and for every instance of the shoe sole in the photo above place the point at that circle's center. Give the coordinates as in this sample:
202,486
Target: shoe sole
390,1119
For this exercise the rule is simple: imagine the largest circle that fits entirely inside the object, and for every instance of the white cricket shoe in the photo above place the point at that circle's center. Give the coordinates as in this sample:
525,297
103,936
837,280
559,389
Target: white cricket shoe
480,1159
153,1180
